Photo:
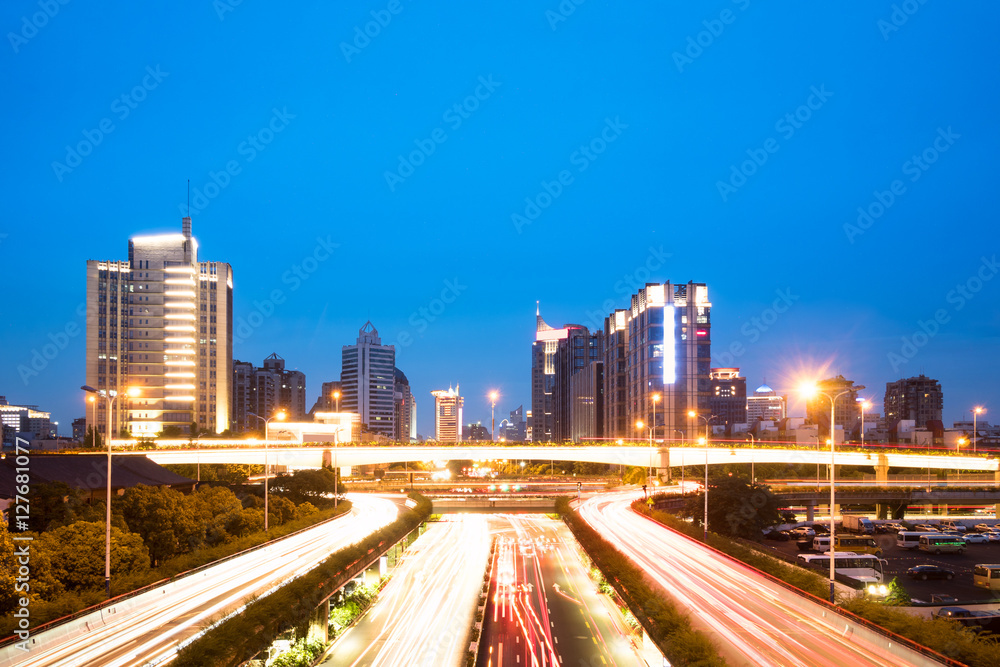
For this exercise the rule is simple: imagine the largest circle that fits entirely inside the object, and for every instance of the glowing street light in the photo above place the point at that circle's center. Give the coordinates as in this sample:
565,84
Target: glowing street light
493,424
336,397
809,391
639,426
111,396
976,411
280,416
865,405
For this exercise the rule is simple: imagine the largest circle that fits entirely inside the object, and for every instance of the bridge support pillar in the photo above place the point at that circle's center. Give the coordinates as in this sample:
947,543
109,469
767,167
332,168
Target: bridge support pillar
943,509
882,469
327,458
810,510
319,623
663,463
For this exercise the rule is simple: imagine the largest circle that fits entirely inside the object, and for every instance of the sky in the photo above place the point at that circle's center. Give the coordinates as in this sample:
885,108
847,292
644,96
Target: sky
825,169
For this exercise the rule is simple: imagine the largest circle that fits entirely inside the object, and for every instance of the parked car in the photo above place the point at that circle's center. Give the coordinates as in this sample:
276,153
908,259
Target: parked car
821,528
777,535
993,536
983,527
975,538
926,528
803,531
954,525
893,527
925,572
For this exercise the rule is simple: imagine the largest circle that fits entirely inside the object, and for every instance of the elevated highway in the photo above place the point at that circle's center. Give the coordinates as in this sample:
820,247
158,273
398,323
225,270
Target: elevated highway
659,457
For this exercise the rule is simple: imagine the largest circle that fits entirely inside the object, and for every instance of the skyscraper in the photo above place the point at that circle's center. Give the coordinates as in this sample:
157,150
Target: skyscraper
367,375
847,414
764,405
918,398
161,321
659,347
264,391
727,397
448,415
405,407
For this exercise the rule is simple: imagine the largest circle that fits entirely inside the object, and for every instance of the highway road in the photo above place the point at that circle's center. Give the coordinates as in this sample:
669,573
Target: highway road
148,628
424,614
742,612
544,609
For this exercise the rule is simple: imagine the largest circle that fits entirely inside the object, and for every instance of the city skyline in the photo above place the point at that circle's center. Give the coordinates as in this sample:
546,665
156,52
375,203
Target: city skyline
831,198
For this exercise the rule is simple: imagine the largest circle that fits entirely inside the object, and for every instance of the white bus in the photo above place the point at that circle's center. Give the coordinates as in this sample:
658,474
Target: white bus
865,568
986,576
910,539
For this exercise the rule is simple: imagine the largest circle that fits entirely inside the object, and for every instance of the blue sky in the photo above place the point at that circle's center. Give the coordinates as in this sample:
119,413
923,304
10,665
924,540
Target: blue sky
730,143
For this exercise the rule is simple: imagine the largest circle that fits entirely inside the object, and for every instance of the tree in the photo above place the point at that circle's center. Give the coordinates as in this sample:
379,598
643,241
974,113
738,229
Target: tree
164,520
215,508
88,440
735,507
75,554
8,572
303,485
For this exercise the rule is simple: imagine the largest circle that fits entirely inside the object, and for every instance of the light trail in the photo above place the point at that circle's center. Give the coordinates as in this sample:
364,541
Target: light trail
745,612
148,628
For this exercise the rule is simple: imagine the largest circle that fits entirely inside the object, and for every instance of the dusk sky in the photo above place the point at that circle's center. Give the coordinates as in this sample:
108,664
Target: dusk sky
498,155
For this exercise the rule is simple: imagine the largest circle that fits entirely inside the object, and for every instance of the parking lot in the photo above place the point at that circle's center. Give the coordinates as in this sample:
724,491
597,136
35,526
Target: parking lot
899,560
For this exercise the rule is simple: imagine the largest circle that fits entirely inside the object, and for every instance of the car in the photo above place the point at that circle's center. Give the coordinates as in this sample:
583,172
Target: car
803,531
893,527
976,538
983,527
992,536
928,571
926,528
821,529
777,535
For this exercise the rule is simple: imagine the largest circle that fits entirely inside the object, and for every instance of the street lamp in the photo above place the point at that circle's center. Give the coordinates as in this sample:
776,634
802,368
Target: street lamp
639,425
976,411
865,405
111,396
683,436
753,475
493,424
704,442
810,391
280,416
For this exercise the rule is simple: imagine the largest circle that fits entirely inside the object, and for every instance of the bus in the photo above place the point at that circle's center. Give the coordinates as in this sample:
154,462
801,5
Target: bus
986,576
861,544
865,568
942,544
910,539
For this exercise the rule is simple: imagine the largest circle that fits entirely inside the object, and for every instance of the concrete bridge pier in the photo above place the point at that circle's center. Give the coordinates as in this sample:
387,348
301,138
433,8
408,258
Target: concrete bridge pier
662,460
319,623
882,477
811,510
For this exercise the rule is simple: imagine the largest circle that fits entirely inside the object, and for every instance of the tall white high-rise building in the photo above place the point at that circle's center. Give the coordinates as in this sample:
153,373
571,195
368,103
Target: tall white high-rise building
447,415
161,322
366,376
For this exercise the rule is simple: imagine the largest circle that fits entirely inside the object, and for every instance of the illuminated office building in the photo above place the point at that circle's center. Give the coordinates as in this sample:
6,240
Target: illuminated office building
727,397
448,415
367,375
765,405
161,321
658,347
918,398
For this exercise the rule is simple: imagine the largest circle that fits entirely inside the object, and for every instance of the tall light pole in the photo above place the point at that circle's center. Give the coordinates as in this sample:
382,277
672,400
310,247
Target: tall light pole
865,405
812,390
753,475
683,437
976,411
639,425
280,416
111,396
493,424
336,397
704,443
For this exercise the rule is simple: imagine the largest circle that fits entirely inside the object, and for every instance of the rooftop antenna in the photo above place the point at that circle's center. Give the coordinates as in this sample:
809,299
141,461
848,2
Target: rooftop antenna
189,197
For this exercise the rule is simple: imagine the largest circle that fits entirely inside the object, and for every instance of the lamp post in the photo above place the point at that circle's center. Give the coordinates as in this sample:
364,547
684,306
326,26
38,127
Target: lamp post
639,425
683,436
976,411
811,391
865,405
336,397
111,396
753,475
280,416
704,442
493,423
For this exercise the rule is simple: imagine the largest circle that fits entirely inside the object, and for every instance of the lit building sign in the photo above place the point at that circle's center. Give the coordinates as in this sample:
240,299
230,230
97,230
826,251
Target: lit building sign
669,351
